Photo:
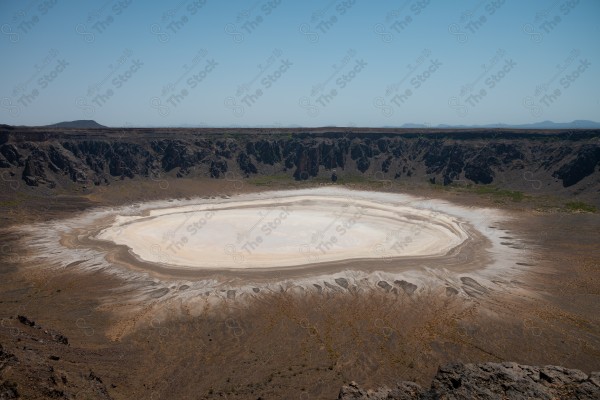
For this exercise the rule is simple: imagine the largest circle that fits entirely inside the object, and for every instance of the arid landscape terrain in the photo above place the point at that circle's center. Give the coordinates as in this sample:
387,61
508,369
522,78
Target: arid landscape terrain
383,254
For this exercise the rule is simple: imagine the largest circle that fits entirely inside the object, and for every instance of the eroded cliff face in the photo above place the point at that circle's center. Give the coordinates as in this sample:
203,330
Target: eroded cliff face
534,161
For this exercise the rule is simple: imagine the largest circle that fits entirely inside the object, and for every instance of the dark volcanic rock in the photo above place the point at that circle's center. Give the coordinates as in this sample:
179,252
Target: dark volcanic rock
343,282
8,390
11,154
175,154
266,152
128,160
218,168
385,166
584,165
58,338
363,164
447,161
409,288
4,163
98,386
246,164
34,172
25,321
384,285
6,358
503,158
488,381
355,392
479,171
360,150
61,162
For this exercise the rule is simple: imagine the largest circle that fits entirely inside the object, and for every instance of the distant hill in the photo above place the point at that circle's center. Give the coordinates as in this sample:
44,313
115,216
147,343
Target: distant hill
80,124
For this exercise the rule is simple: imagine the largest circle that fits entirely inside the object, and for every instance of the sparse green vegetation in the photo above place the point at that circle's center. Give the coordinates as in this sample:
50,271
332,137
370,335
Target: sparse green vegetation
513,195
580,206
9,203
266,180
354,179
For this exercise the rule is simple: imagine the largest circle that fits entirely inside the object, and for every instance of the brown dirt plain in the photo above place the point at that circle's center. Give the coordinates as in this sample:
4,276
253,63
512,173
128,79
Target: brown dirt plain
282,345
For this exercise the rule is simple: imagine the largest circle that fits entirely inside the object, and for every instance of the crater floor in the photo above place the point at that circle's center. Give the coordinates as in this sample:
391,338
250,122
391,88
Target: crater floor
286,229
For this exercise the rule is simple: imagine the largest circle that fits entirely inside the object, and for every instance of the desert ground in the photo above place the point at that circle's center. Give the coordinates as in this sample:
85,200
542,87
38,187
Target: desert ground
515,282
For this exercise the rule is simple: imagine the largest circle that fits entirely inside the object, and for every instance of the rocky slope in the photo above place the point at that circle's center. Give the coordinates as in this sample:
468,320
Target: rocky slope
39,363
489,381
554,162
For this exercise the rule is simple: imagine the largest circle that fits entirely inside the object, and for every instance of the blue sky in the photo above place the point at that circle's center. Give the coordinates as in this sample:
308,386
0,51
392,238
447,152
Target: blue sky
308,63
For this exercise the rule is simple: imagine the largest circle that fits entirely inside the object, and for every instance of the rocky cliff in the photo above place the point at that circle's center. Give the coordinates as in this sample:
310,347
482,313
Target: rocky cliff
489,381
565,162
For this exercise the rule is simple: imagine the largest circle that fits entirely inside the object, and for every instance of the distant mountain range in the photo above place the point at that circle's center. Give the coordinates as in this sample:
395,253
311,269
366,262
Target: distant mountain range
577,124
